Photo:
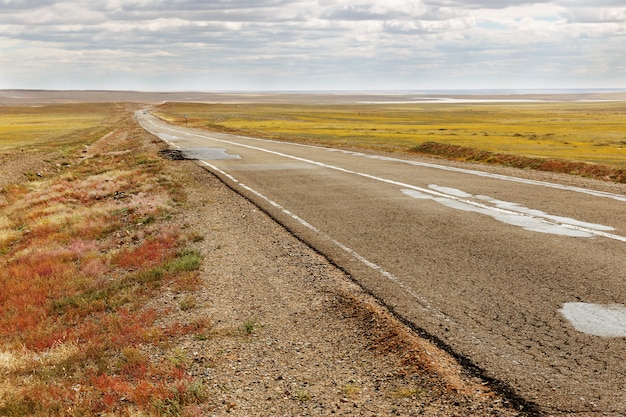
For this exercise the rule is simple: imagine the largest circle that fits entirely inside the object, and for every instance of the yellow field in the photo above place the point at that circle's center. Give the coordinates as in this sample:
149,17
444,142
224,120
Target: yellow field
587,132
29,127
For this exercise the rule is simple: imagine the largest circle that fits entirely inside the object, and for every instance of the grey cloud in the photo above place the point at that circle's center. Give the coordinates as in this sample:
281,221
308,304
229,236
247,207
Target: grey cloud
483,4
24,4
189,5
589,4
328,43
416,27
142,10
355,12
596,15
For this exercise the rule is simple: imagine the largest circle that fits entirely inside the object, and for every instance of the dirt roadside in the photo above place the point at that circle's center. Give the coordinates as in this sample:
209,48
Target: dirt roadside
291,334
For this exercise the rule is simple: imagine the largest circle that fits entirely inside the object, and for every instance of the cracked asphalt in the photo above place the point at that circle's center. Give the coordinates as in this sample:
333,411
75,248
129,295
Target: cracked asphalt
480,262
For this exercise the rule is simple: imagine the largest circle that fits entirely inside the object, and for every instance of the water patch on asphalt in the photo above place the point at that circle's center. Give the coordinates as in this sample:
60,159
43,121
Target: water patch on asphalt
273,167
167,137
450,191
525,210
509,213
596,319
532,224
208,154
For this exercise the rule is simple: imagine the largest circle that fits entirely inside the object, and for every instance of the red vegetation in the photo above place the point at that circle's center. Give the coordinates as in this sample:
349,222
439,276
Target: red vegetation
82,279
149,254
602,172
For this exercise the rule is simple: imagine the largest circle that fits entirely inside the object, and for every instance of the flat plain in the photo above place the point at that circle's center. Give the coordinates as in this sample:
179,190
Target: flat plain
134,285
578,132
117,316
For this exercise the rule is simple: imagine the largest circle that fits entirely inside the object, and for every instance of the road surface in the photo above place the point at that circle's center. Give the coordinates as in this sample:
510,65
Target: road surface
525,280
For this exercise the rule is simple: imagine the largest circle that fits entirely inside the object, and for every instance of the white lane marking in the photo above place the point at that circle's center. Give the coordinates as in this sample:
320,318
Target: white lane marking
421,300
258,194
476,205
501,177
587,191
538,213
596,319
516,215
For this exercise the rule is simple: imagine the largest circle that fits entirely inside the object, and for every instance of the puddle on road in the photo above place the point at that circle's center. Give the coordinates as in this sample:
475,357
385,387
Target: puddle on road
167,137
450,191
208,154
509,213
596,319
538,213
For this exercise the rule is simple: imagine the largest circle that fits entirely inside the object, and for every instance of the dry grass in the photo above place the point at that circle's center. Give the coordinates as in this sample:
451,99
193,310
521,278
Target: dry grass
44,128
588,133
81,252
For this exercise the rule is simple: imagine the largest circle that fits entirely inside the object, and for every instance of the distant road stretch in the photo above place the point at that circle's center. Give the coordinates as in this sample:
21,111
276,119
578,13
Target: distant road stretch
525,279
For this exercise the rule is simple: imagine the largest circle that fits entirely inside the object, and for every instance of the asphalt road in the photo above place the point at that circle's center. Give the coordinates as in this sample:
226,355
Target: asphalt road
524,279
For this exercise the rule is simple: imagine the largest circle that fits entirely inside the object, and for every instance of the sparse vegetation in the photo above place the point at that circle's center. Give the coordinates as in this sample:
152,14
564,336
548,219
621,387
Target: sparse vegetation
598,171
81,252
303,396
409,393
69,126
87,246
578,136
250,326
188,303
350,390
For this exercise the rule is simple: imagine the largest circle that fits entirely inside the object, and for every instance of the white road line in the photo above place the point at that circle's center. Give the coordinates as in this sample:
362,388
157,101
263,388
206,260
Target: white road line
404,185
594,193
421,300
501,177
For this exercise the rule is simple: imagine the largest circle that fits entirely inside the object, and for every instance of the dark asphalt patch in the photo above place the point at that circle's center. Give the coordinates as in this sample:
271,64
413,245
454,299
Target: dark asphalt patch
173,154
207,154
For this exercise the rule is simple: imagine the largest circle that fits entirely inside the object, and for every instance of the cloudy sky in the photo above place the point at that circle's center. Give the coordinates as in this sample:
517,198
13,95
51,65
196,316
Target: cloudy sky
312,44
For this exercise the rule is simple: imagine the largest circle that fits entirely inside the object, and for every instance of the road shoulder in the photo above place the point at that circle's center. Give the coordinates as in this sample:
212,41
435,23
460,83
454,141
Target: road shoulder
292,335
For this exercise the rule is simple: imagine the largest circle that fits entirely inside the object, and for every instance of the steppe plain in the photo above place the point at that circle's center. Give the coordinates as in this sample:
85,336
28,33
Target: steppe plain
259,325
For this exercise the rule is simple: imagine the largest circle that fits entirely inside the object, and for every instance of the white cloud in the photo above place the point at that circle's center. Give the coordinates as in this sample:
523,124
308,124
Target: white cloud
292,44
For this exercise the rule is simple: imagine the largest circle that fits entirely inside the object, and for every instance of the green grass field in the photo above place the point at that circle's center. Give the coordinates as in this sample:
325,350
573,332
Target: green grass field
591,132
45,127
